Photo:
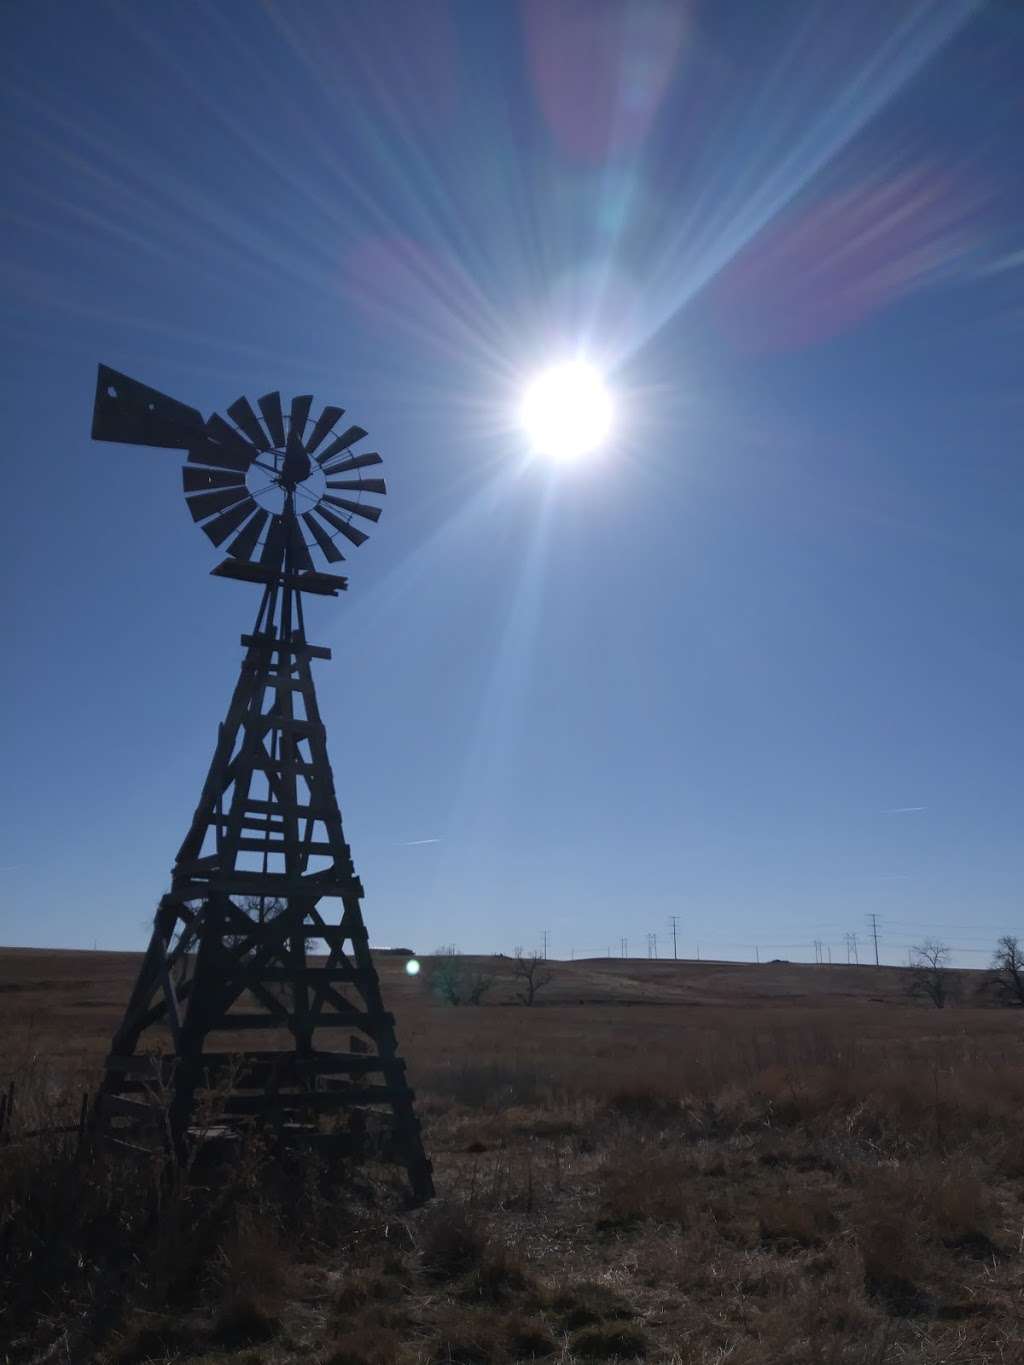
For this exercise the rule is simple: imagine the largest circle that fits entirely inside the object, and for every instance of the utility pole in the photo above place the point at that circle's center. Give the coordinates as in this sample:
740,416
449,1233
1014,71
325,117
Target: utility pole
652,945
830,955
852,954
624,946
674,921
698,952
757,954
545,933
873,920
818,955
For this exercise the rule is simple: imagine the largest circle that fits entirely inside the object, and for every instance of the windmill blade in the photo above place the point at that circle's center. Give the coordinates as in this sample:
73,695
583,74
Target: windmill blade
206,451
324,422
242,415
225,434
273,546
358,509
201,480
221,527
204,505
270,406
297,419
299,556
125,410
327,545
361,486
342,442
350,532
353,462
244,543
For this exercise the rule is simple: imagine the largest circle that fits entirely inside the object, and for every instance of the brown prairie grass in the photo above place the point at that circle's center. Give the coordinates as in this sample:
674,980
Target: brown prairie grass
703,1187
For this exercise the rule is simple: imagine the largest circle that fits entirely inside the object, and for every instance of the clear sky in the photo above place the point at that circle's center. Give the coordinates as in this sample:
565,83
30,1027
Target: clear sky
757,664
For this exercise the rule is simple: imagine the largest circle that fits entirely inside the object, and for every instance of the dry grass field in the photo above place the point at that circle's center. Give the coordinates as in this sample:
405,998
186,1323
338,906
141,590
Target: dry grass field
699,1163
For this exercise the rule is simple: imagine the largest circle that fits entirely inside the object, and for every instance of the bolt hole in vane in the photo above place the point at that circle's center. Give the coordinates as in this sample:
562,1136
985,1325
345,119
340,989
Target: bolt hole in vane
278,489
269,487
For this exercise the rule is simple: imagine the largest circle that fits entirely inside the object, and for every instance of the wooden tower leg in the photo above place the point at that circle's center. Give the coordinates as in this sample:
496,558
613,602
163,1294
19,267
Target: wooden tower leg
229,946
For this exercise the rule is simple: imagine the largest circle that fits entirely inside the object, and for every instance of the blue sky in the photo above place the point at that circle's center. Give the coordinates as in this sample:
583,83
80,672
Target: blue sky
758,664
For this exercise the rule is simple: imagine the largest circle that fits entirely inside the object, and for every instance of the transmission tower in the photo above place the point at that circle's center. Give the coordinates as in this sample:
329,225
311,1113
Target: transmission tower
873,922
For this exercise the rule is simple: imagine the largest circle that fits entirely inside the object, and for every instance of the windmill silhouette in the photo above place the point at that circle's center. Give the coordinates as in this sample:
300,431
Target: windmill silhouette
264,872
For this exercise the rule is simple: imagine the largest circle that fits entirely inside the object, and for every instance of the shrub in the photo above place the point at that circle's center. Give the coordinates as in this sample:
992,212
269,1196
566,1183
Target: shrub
610,1343
451,1243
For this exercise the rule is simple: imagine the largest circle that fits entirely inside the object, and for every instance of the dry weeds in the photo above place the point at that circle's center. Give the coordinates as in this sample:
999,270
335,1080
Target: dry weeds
693,1186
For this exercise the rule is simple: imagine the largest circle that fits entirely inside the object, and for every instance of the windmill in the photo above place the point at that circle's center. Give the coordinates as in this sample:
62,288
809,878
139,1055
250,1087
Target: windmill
264,872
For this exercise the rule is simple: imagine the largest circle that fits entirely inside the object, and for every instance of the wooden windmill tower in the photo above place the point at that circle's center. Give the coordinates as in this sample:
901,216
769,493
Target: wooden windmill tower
264,872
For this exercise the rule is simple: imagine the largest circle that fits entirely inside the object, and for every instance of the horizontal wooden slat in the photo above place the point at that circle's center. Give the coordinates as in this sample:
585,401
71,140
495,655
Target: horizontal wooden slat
297,766
110,1140
318,1062
316,1101
281,683
264,884
267,846
296,647
267,822
318,847
259,807
293,725
146,1069
132,1109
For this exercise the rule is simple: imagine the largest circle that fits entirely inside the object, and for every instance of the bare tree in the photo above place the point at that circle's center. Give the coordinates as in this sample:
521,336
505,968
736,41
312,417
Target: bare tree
1007,982
455,981
533,971
930,975
259,909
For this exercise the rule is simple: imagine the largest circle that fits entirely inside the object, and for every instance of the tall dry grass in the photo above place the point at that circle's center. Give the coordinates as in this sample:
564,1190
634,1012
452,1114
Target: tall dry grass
685,1186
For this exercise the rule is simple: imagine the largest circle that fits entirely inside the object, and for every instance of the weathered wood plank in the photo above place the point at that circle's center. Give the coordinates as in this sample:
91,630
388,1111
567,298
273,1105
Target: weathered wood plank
291,725
315,1101
132,1109
265,884
300,649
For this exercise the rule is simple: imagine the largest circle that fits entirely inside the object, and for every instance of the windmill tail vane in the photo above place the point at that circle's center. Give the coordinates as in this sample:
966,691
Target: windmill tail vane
263,873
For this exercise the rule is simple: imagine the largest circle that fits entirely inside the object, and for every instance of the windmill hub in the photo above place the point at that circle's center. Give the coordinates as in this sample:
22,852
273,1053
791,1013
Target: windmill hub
297,467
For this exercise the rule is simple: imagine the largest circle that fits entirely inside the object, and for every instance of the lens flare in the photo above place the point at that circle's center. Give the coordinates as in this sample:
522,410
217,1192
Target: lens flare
567,411
412,967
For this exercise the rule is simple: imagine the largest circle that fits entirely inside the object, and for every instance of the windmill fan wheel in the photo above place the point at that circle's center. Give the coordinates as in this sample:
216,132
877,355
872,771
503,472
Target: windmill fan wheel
285,488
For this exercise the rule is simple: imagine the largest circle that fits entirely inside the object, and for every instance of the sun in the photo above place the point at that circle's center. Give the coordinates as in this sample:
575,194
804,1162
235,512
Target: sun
567,411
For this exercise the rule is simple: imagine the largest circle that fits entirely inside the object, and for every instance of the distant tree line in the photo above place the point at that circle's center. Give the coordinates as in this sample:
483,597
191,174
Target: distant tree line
458,981
933,980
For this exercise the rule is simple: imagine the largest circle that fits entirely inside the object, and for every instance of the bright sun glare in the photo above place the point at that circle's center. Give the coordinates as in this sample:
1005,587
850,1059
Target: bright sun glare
567,411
